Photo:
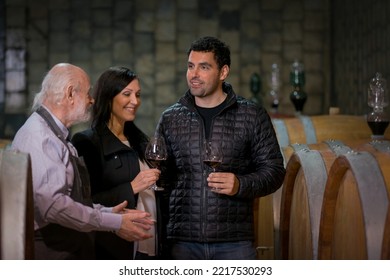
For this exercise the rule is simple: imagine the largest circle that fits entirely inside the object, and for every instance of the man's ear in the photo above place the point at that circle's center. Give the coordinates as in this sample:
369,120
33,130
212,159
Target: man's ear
224,72
70,94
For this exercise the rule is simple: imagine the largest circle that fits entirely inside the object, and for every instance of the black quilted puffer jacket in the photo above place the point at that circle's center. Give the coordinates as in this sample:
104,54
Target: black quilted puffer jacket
250,151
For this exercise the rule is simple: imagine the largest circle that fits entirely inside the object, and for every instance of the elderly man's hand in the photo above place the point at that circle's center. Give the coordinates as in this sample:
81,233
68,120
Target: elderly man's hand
135,224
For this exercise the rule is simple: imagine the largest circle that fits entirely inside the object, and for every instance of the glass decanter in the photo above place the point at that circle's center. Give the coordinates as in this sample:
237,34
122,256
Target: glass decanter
274,83
255,86
297,79
377,120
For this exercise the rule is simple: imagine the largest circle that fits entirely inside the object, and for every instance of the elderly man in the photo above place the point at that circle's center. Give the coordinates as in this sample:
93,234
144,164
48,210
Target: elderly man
64,216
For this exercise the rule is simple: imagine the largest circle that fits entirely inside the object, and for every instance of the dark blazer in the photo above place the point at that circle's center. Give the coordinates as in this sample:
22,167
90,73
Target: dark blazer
112,166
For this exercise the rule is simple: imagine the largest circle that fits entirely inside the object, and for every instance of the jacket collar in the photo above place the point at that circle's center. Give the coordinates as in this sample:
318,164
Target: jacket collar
110,143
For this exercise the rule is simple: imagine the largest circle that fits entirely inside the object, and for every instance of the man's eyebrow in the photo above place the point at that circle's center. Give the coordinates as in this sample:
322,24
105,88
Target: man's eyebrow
205,64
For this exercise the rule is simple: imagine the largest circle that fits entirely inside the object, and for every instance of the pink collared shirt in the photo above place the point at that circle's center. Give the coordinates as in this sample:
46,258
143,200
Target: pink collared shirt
52,174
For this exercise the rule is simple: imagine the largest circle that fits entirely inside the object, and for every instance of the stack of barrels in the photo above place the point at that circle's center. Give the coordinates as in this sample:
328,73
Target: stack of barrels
16,205
3,144
334,201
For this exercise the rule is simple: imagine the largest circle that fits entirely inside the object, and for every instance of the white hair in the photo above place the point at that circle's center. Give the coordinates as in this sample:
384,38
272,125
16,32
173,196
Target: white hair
55,84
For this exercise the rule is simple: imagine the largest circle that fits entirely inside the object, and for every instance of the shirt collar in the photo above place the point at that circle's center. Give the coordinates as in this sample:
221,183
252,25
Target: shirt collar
64,130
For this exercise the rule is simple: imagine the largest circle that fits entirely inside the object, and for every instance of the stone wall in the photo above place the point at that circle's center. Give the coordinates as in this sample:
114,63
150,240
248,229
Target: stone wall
152,37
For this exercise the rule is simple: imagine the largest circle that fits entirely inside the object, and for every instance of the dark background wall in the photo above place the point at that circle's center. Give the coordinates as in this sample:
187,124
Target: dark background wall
360,48
341,44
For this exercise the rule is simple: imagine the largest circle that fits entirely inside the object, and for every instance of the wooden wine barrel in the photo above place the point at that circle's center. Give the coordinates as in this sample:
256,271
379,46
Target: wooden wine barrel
267,216
264,235
16,206
267,209
315,129
302,193
386,238
301,200
1,219
355,206
301,130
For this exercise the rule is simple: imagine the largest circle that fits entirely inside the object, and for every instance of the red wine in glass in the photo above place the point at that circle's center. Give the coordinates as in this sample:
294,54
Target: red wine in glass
156,152
212,155
378,128
213,163
155,163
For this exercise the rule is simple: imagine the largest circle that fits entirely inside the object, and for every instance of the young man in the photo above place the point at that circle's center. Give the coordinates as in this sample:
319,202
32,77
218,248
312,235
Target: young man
64,215
211,213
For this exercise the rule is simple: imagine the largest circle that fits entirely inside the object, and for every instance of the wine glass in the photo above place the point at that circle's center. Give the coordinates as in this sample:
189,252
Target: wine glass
155,152
212,155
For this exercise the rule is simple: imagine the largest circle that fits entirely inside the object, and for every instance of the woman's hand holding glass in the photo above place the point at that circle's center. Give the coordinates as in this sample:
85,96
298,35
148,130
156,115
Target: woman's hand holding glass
156,152
145,179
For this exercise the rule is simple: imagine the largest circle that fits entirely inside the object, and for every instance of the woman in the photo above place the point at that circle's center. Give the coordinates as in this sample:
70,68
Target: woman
113,150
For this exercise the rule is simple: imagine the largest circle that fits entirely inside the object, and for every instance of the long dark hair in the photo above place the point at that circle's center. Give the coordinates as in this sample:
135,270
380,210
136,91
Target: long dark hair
110,83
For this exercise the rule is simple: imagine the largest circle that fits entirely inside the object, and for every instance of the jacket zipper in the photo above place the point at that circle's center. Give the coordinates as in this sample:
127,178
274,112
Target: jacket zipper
203,209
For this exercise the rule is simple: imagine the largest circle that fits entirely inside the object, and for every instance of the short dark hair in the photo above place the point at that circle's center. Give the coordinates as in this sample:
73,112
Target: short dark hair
211,44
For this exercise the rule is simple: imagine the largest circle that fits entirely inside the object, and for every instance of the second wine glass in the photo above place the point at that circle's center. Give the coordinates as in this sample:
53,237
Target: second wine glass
212,154
156,152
